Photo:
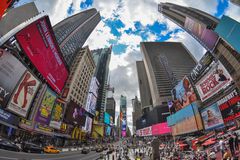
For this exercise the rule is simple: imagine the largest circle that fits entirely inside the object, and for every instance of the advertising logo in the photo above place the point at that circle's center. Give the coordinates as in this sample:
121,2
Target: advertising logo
10,74
57,114
216,78
45,109
24,94
39,44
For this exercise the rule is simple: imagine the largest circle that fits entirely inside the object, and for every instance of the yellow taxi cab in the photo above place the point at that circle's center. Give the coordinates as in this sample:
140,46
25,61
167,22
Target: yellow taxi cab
51,149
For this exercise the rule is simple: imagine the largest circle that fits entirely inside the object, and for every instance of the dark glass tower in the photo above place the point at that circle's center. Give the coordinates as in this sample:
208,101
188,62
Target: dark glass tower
102,58
72,32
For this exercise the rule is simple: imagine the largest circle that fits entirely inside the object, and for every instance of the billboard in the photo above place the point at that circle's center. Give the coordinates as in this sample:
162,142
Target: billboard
124,134
8,117
23,95
106,118
88,125
229,30
94,86
147,131
57,114
91,103
38,42
186,120
3,6
212,117
108,130
44,111
183,94
160,128
230,106
10,74
206,37
201,67
75,114
213,81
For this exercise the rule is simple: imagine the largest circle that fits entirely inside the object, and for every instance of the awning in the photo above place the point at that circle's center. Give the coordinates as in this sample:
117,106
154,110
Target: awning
9,125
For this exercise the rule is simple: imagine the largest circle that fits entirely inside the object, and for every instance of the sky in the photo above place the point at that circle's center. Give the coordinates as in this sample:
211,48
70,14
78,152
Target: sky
126,23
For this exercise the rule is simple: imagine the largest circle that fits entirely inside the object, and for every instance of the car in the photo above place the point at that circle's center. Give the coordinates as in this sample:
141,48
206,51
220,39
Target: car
85,150
9,145
31,148
51,149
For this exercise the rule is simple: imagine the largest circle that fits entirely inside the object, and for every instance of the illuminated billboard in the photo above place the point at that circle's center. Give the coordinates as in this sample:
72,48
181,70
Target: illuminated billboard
23,95
3,6
10,74
39,44
183,94
94,85
229,30
160,128
91,103
213,81
106,118
57,114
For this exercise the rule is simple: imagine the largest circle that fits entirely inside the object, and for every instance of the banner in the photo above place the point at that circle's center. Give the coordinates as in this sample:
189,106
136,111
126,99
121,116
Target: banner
43,115
230,106
57,114
160,128
41,47
94,86
8,117
75,114
201,67
91,103
10,74
229,30
216,79
106,118
23,95
212,117
88,125
183,94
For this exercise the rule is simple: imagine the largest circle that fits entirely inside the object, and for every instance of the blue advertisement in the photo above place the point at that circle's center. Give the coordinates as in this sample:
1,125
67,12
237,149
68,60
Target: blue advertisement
106,118
8,117
212,117
229,29
108,130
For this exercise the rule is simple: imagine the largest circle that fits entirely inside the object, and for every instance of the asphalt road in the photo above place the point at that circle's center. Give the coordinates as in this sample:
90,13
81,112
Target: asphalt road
76,155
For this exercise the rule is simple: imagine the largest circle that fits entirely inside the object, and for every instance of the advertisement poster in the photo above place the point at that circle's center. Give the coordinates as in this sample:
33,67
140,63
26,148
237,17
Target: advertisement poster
183,94
57,114
88,125
106,118
10,74
216,78
75,114
108,131
230,107
38,42
8,117
91,103
23,95
202,65
160,128
229,30
94,86
212,117
45,109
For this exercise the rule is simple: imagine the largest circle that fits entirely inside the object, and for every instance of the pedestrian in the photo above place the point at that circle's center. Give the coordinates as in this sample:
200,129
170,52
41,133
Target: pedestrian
212,155
236,142
227,155
221,146
231,144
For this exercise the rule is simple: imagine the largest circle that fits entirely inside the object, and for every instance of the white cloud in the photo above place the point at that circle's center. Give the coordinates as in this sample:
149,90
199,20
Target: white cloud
233,11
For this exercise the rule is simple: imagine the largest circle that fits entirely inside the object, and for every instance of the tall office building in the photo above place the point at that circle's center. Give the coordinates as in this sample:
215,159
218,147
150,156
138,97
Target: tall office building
236,2
201,25
102,58
166,63
81,72
145,93
137,112
72,32
111,107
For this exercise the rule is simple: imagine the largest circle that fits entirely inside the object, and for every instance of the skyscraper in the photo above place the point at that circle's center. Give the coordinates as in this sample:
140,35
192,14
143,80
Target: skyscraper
145,93
72,32
200,25
111,107
102,58
137,111
166,63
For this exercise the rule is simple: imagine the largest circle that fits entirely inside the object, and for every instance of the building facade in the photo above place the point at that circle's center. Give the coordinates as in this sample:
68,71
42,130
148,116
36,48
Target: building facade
186,17
81,72
72,32
111,107
102,58
236,2
137,112
145,93
166,63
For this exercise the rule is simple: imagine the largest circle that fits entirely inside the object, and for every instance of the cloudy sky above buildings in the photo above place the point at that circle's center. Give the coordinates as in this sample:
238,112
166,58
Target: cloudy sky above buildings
126,23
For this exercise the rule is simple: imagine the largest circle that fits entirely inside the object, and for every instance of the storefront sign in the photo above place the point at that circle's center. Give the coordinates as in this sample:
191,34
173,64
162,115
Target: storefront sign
26,124
43,128
230,106
8,117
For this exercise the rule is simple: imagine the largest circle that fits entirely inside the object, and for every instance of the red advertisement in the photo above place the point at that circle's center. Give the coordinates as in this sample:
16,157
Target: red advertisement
216,79
160,128
39,44
3,6
145,131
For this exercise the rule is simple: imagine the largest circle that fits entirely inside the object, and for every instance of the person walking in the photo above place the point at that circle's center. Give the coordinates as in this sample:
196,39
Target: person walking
231,144
221,146
236,142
